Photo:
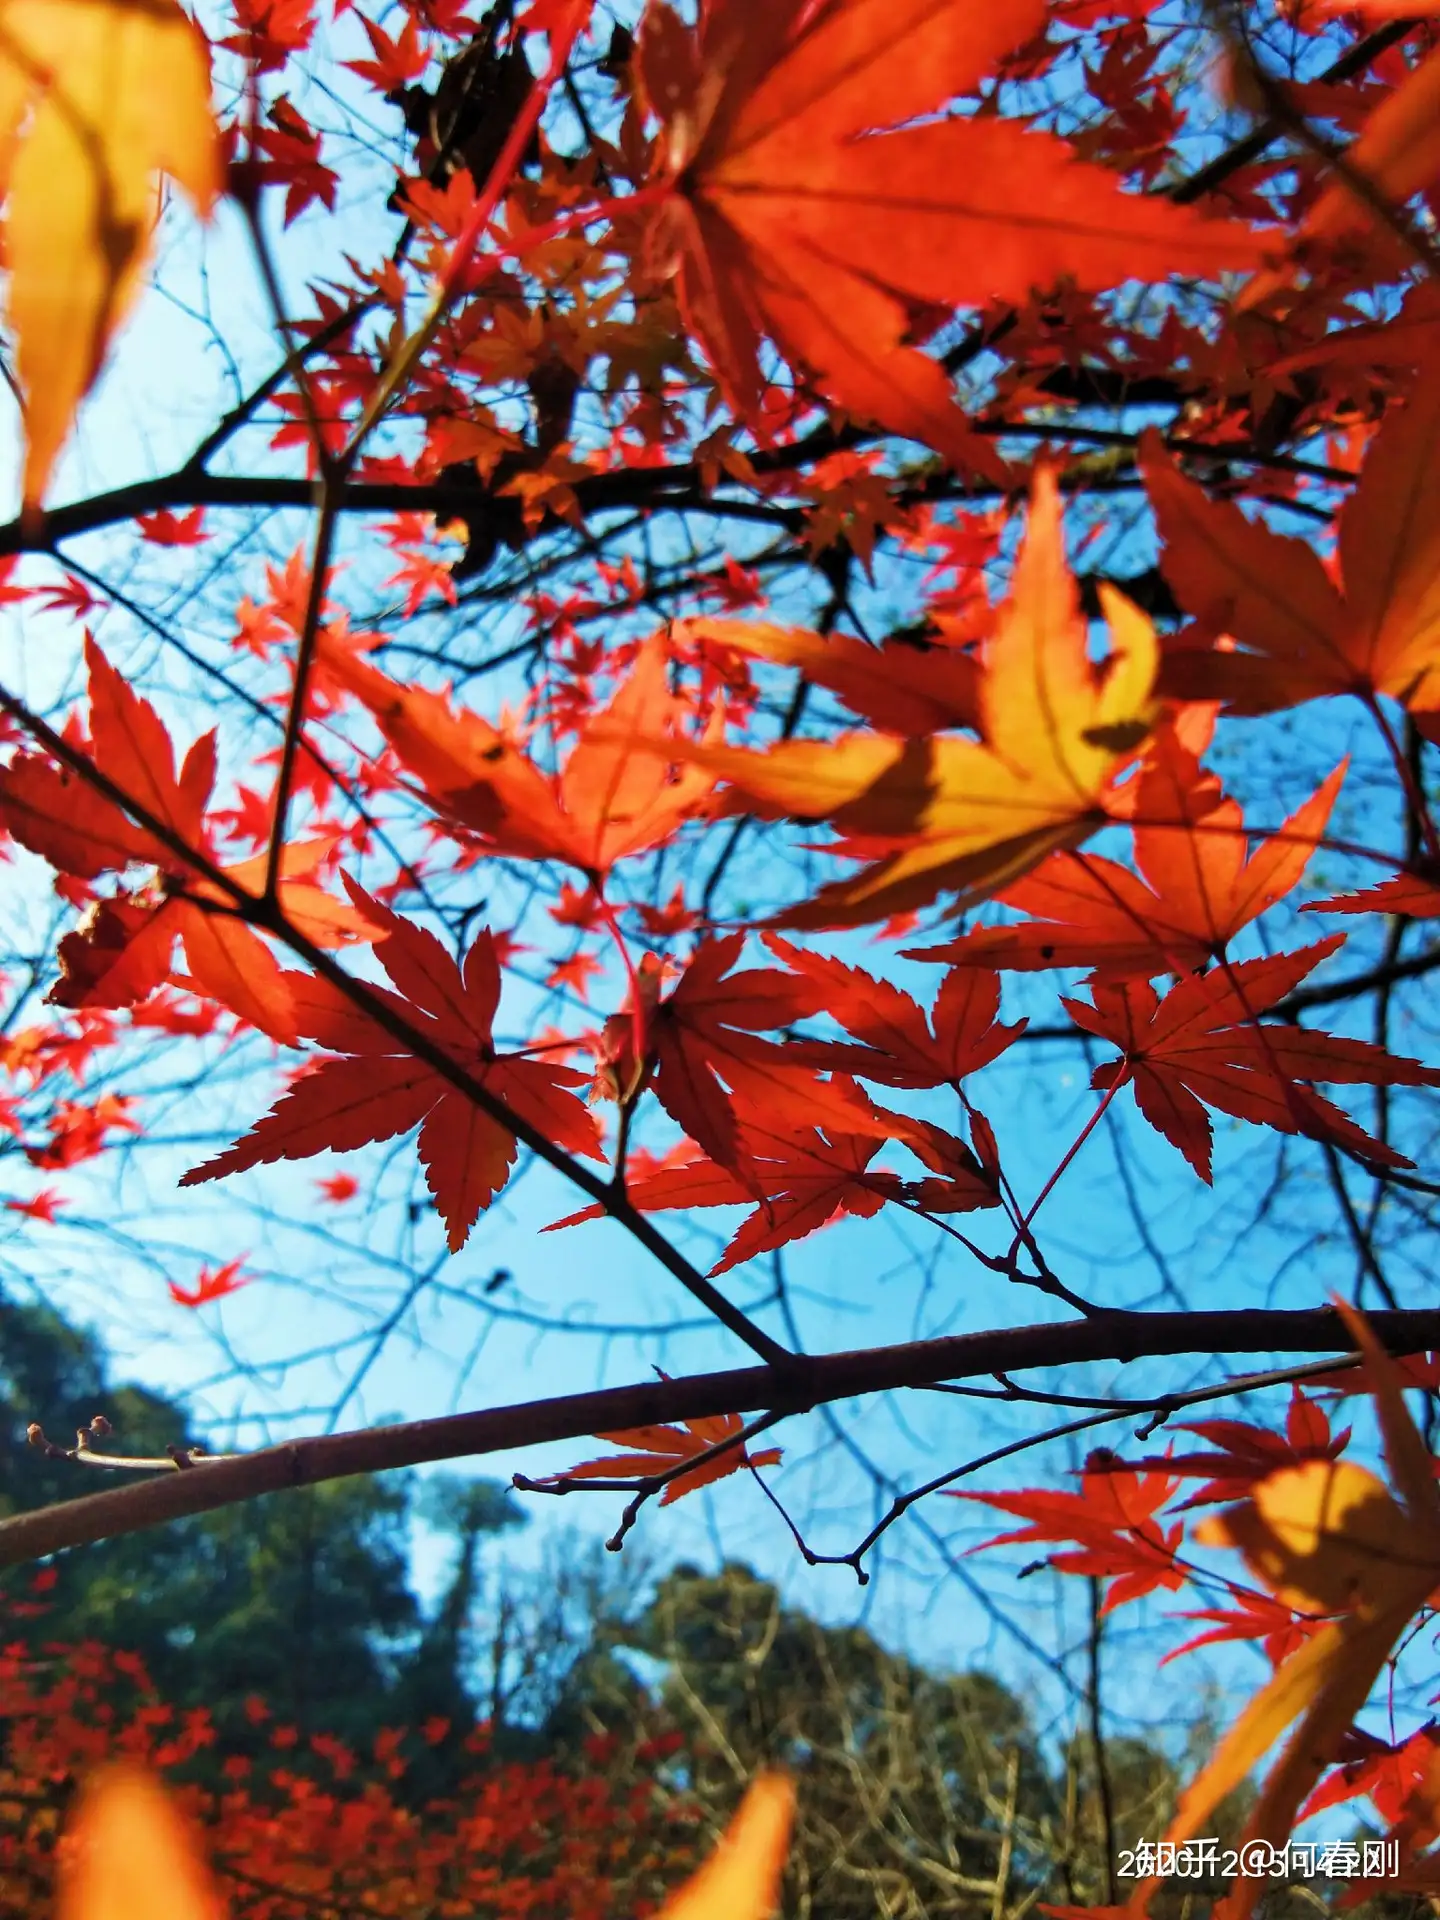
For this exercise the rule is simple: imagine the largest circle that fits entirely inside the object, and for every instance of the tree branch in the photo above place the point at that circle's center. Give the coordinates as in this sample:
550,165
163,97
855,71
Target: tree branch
648,489
1121,1337
269,916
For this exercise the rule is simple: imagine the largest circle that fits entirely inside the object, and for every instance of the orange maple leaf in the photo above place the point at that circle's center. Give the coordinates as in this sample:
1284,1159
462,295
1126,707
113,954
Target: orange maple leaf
1195,889
1397,153
741,1879
113,91
1300,636
1324,1538
1203,1043
607,801
794,213
128,1855
661,1449
368,1087
897,687
967,816
121,952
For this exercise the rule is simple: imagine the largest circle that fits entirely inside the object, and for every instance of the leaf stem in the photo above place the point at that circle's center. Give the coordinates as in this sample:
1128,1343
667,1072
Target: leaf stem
1414,794
1084,1134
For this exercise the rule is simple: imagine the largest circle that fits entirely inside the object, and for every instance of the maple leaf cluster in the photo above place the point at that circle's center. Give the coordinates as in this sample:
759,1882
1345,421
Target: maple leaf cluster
696,346
1344,1564
782,1123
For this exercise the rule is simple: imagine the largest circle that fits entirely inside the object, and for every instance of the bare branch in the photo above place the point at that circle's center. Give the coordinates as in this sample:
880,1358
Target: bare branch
802,1385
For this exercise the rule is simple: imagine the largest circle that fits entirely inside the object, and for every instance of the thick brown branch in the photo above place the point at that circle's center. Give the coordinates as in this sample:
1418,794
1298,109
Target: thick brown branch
826,1378
649,489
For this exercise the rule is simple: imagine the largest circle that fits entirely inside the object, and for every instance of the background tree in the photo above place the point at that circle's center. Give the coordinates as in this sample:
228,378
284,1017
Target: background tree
304,1605
925,1792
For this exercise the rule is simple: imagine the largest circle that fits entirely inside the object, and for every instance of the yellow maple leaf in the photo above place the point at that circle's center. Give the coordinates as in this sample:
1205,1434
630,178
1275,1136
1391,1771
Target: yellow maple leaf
931,815
96,98
132,1857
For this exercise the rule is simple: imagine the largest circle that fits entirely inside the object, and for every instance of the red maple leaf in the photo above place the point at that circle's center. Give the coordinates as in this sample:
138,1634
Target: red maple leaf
78,1131
1248,1454
422,571
271,30
1255,1616
1412,892
705,1035
807,1179
1113,1520
165,1012
121,952
396,62
169,529
40,1206
71,597
1394,1777
901,1045
663,923
576,972
286,152
1203,1043
213,1284
803,1176
367,1087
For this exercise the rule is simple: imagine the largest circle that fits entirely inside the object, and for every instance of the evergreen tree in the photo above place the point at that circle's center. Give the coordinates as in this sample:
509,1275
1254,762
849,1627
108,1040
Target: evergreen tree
304,1602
